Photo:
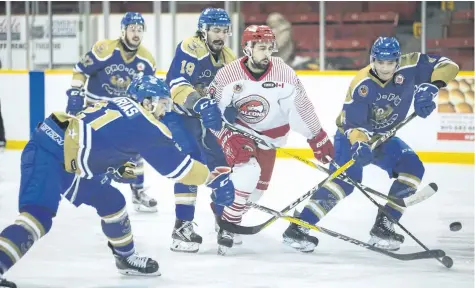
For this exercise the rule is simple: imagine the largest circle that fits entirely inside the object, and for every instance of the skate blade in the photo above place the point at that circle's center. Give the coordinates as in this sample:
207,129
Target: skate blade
223,250
184,247
384,243
142,208
129,272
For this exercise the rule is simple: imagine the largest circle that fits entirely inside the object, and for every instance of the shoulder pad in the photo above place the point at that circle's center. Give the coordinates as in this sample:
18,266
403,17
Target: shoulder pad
145,55
410,59
228,54
195,47
104,48
359,78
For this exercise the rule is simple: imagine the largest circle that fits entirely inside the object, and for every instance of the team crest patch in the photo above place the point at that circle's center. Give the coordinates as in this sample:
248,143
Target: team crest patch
237,88
253,109
399,79
363,90
140,66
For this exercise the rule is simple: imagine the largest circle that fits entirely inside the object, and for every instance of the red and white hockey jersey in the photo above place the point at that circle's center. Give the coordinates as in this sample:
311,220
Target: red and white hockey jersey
272,105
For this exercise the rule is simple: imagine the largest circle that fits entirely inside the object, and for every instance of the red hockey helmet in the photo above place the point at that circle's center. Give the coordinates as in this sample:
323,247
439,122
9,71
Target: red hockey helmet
258,33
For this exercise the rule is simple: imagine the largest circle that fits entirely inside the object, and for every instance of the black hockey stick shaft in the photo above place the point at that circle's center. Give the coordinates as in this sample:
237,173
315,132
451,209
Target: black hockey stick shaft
382,209
406,257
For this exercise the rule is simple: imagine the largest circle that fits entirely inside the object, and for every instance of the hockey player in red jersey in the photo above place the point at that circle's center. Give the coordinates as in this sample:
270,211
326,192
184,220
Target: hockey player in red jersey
270,100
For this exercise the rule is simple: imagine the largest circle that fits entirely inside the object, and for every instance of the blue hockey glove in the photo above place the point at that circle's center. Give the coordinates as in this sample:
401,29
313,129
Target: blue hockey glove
209,112
75,101
424,99
174,122
361,153
126,174
222,186
230,114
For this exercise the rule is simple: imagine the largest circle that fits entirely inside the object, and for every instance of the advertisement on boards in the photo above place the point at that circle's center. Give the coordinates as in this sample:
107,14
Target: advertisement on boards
456,111
66,40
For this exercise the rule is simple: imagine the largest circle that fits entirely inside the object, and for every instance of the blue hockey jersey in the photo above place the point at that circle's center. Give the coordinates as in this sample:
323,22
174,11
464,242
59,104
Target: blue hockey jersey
372,106
105,136
108,71
193,68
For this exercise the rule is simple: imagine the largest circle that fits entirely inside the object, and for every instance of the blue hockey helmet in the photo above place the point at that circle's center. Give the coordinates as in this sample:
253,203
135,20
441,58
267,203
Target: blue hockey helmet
214,17
132,18
150,91
386,48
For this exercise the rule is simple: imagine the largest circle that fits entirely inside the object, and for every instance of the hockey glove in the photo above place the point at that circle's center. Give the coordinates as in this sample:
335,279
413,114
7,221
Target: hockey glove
174,122
127,173
322,147
222,186
236,147
75,101
209,112
424,99
361,153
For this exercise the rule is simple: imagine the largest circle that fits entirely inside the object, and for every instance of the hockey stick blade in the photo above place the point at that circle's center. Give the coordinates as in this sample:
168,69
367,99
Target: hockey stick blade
419,196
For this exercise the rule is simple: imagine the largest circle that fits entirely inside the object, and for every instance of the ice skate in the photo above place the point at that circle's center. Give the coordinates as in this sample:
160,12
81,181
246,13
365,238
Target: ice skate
142,202
135,265
237,237
185,239
383,234
4,283
298,238
225,241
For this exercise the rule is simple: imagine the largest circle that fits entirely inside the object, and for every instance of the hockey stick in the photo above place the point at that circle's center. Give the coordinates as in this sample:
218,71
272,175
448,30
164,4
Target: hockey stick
413,199
446,261
231,227
405,257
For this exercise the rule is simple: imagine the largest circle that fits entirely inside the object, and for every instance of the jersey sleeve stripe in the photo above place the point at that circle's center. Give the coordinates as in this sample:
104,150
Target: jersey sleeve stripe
179,80
182,169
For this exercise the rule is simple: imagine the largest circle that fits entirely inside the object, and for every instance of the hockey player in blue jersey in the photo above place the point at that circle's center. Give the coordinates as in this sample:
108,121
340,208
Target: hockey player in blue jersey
379,97
105,72
196,61
77,157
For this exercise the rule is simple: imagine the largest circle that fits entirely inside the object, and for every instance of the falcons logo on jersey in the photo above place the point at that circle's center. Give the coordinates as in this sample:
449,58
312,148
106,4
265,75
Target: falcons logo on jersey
252,109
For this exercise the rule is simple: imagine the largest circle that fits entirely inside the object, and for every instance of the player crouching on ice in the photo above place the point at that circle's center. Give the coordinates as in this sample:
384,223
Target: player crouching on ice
269,100
379,97
78,157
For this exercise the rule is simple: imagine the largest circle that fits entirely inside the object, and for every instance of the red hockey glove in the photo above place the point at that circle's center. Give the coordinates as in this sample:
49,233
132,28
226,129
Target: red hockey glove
322,147
236,147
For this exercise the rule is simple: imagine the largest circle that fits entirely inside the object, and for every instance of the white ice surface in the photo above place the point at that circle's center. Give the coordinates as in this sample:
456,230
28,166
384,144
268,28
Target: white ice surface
75,254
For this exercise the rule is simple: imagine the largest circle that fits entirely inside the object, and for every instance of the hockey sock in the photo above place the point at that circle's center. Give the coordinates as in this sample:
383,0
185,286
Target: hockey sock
119,232
185,199
323,201
140,177
399,190
234,212
15,240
